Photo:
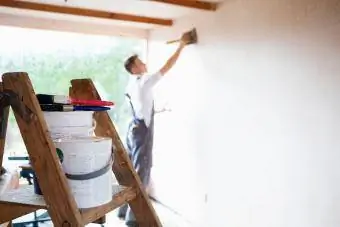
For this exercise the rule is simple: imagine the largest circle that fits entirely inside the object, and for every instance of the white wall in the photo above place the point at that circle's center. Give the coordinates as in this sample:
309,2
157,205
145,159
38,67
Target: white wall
259,118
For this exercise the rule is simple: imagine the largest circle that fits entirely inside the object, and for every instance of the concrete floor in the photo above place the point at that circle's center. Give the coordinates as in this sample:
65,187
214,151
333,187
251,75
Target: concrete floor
167,217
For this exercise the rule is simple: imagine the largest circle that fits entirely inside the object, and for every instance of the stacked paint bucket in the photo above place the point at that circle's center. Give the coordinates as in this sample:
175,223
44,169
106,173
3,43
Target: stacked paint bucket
85,159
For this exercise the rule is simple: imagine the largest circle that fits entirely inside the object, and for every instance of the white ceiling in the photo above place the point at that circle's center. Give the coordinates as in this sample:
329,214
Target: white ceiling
134,7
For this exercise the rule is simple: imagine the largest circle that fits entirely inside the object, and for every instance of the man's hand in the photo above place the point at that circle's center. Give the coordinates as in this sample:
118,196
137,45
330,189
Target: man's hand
186,38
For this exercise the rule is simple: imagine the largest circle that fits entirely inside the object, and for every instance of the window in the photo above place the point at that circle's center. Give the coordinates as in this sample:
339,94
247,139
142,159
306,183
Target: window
53,58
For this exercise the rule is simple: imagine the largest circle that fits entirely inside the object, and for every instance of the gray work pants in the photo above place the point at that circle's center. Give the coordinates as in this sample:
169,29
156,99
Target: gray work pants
139,144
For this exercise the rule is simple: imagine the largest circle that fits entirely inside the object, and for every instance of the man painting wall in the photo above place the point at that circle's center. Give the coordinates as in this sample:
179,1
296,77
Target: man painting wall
140,131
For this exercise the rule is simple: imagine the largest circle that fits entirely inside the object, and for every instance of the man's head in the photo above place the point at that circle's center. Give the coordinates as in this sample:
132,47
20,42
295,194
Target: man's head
135,66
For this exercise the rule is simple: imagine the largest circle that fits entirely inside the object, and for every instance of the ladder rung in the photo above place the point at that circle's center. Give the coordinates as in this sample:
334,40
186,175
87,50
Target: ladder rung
23,200
120,197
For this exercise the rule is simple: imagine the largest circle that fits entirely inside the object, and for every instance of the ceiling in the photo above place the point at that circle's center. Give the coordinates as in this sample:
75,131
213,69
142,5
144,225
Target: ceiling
138,15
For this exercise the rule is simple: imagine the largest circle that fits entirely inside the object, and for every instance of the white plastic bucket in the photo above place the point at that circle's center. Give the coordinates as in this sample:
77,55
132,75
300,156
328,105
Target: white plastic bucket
84,155
69,119
68,124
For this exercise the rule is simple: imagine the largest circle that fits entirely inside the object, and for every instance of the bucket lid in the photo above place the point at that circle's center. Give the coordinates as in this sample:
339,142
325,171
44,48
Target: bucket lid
86,139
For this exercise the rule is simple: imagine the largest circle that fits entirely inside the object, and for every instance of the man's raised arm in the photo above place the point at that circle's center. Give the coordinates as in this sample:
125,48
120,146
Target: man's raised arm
173,59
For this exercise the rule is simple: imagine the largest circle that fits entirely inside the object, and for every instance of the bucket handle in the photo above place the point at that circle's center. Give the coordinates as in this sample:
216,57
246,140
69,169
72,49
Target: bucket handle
92,175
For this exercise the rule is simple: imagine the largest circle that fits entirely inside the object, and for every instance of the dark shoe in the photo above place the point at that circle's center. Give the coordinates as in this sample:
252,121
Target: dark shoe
121,216
122,211
131,224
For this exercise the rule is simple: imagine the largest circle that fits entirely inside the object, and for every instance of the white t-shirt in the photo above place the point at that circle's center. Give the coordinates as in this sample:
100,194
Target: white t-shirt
140,90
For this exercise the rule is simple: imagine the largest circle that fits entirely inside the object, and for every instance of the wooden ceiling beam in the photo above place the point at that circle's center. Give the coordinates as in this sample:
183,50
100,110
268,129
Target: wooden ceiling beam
203,5
83,12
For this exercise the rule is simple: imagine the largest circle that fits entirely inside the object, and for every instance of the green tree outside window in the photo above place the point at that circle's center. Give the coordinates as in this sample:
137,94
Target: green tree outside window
53,58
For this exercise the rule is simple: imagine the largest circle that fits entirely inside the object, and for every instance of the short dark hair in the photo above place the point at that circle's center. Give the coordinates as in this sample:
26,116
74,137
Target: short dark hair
130,62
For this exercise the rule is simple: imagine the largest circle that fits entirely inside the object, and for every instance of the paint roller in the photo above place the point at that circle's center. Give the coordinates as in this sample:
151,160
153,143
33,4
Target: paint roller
192,34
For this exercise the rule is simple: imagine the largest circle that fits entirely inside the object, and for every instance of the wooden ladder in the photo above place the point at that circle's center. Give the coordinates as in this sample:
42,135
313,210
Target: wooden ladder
57,197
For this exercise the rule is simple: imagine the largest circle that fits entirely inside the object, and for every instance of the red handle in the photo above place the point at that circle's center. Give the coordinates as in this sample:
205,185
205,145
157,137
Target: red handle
92,102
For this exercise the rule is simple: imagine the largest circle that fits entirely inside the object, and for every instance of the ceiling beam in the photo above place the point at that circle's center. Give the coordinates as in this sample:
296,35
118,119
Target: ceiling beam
203,5
64,25
84,12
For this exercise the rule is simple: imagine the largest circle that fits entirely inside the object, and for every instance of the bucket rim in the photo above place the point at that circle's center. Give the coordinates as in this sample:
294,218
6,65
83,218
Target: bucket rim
85,139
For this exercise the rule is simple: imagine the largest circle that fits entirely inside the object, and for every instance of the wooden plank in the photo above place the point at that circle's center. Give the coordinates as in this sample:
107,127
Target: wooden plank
122,167
24,196
203,5
23,200
11,211
3,131
52,181
84,12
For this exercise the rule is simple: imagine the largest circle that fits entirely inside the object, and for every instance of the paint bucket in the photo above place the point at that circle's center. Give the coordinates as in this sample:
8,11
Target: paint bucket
87,163
68,119
37,189
66,124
